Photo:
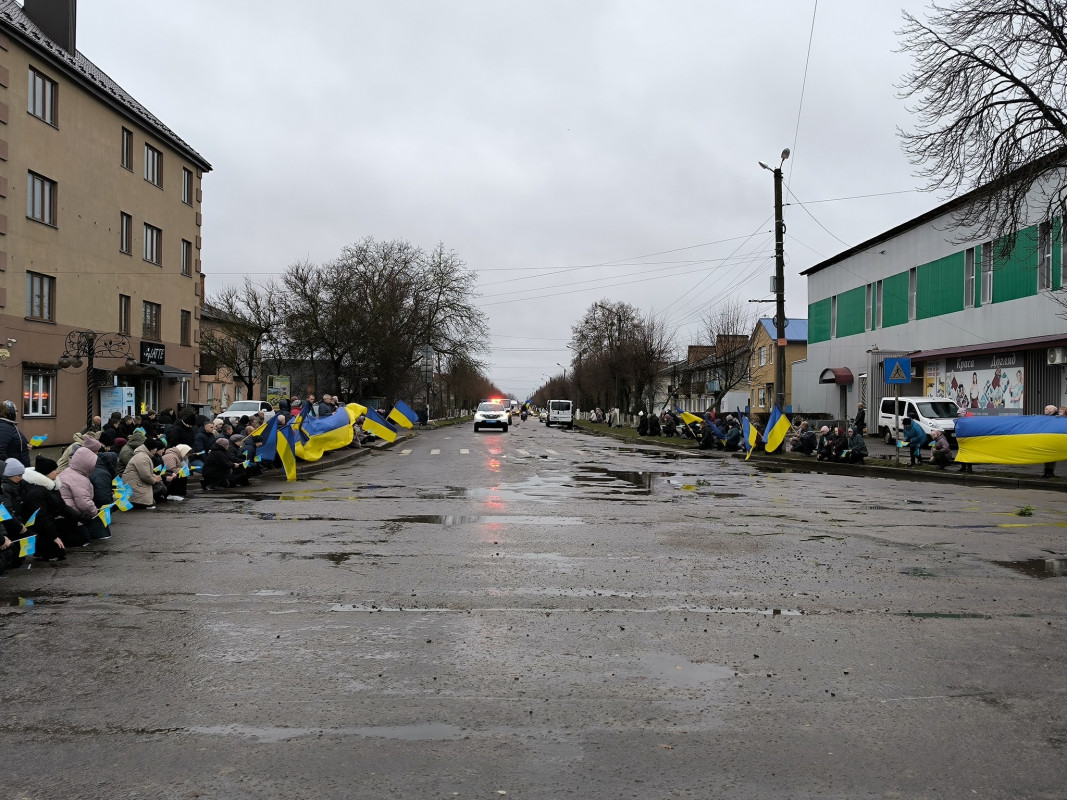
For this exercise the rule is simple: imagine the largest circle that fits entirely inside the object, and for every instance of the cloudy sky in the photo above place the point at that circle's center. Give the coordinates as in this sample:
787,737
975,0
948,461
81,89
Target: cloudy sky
569,152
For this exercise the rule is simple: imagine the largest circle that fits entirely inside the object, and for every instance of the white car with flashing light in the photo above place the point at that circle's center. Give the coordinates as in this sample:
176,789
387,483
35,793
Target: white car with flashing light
492,414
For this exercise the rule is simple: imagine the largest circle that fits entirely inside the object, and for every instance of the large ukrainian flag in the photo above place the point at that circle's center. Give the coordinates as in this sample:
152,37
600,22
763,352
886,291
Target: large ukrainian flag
776,430
1011,440
749,435
402,415
320,434
376,424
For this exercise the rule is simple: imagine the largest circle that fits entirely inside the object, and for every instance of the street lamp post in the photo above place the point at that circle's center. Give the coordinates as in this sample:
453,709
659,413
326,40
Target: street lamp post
427,375
779,283
90,344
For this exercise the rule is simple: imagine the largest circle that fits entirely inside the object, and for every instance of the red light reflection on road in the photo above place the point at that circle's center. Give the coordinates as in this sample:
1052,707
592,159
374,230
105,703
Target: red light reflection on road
494,465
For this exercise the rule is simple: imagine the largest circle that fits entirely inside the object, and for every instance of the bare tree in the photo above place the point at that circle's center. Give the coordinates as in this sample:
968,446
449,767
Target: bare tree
727,327
238,321
989,84
647,352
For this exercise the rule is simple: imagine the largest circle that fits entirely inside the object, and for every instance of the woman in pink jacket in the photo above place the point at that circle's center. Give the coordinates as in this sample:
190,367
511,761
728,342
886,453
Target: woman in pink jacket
77,492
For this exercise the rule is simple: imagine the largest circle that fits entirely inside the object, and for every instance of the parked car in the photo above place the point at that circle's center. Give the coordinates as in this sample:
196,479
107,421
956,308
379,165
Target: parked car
931,413
246,408
560,413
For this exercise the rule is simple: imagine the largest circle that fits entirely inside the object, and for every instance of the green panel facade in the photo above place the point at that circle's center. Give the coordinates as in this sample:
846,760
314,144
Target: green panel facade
895,300
819,321
938,286
1016,276
851,312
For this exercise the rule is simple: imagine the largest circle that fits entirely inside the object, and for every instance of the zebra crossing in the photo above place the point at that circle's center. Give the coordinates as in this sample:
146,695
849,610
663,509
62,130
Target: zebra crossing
521,451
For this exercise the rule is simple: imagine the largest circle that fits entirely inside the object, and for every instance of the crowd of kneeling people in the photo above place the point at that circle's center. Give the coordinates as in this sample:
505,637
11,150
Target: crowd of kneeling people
63,500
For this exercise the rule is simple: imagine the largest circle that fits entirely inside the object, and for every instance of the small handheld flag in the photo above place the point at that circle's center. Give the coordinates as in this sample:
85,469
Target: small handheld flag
5,515
105,514
140,430
160,469
33,518
37,441
123,504
183,471
27,546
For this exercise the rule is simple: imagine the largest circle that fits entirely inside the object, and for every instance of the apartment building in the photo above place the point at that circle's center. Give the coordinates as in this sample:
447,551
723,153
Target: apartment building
764,352
100,219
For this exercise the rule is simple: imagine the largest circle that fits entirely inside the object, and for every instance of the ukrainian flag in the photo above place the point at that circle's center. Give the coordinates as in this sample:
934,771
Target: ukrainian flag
320,434
27,546
374,423
1011,440
269,432
748,434
776,430
402,415
687,418
286,440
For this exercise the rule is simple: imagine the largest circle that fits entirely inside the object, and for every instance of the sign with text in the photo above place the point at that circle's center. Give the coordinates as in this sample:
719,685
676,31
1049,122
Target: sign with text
153,353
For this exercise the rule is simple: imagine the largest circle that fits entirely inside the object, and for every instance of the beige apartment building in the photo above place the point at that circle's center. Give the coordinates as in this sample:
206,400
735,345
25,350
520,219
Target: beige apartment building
764,350
99,235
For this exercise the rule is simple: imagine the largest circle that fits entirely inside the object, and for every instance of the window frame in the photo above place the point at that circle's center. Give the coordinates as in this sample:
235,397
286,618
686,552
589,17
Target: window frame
151,323
761,397
153,245
41,191
833,317
913,294
187,186
49,108
987,273
125,311
187,257
186,329
46,406
153,165
126,155
125,233
868,307
762,356
968,277
1044,256
878,297
47,298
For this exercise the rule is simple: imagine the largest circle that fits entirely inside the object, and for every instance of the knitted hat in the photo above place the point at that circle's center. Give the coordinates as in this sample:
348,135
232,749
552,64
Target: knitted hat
153,444
119,443
92,444
45,466
13,467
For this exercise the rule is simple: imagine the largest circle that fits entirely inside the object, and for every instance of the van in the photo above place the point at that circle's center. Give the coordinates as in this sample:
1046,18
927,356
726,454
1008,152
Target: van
559,412
931,414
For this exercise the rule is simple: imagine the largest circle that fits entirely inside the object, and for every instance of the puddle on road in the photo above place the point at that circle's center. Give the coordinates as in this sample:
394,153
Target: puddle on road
419,732
1038,567
450,520
678,671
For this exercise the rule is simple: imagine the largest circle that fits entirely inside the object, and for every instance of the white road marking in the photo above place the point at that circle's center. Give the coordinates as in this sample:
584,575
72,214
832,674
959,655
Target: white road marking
406,452
551,452
523,452
464,451
435,452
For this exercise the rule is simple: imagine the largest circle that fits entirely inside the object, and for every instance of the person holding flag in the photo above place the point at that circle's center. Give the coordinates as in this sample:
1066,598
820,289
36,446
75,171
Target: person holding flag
11,501
53,521
174,460
76,489
749,435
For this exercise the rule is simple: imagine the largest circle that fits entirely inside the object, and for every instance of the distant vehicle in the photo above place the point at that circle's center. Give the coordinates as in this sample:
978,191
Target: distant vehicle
931,413
492,414
560,413
246,408
542,415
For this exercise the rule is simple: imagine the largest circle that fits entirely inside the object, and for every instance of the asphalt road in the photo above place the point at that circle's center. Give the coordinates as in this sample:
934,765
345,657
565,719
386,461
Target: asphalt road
547,614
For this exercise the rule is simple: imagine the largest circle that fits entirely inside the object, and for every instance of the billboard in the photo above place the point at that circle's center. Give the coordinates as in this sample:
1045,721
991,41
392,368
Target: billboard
277,388
988,384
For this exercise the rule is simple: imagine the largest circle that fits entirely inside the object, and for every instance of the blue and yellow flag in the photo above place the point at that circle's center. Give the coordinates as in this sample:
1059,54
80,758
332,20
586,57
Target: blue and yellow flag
687,417
776,430
301,415
1031,439
286,440
33,518
748,435
105,514
320,434
402,415
374,423
37,441
269,432
5,515
27,546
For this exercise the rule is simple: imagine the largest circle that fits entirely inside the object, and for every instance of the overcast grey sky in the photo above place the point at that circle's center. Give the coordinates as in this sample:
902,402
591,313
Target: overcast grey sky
569,152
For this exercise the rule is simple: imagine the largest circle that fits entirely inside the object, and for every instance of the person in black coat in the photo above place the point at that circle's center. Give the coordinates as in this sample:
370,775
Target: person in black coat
107,467
220,469
204,439
653,425
183,432
110,430
13,444
56,524
642,424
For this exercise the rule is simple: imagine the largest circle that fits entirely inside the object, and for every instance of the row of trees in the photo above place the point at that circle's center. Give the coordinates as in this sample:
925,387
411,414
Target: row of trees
358,325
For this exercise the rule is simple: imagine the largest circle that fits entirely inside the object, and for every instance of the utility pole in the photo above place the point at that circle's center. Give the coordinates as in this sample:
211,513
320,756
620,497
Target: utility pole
779,284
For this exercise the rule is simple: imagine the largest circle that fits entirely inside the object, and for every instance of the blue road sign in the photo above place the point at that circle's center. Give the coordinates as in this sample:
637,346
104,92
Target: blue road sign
897,370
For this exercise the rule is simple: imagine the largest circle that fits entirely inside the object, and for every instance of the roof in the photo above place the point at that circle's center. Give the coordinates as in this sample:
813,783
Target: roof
14,21
796,330
939,211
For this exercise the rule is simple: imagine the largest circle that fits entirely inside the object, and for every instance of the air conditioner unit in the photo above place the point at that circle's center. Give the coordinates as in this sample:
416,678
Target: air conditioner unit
1057,355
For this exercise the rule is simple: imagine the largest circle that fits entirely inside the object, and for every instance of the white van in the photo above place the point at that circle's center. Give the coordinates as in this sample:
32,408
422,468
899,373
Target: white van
559,412
931,413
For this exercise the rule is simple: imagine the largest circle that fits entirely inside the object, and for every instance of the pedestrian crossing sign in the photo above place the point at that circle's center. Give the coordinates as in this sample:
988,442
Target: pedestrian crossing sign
897,370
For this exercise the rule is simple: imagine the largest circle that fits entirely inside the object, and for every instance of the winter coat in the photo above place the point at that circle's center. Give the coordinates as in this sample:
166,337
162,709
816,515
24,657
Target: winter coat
12,443
203,441
75,487
857,446
41,494
107,467
108,434
218,466
180,433
174,457
139,476
915,435
12,501
64,460
136,440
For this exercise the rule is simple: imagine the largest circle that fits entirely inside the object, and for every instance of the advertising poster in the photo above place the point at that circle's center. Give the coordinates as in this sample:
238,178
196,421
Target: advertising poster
118,398
986,384
277,388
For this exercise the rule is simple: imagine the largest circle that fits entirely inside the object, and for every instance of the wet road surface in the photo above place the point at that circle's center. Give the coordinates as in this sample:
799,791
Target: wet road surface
548,614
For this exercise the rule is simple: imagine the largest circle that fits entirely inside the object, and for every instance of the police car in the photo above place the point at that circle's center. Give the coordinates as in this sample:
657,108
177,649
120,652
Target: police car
492,414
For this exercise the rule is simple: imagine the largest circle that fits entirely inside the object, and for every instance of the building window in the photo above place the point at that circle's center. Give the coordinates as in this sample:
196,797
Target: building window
987,273
40,297
833,316
761,398
913,300
187,186
42,98
238,392
762,356
1063,252
150,392
37,391
153,244
41,199
127,149
153,165
868,305
125,233
150,321
968,278
1044,256
878,305
210,392
183,392
187,328
187,257
124,314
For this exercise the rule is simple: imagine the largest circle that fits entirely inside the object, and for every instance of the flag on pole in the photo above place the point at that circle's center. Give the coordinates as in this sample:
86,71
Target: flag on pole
748,435
105,514
27,546
37,441
374,423
286,443
402,415
5,515
33,518
776,430
319,434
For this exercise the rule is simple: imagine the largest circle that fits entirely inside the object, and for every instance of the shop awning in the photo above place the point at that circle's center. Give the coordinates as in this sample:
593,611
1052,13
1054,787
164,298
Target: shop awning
841,375
166,371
